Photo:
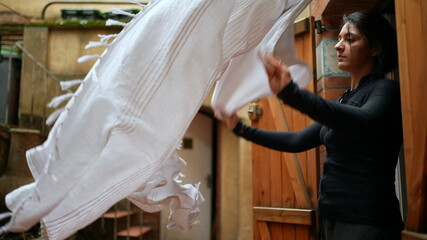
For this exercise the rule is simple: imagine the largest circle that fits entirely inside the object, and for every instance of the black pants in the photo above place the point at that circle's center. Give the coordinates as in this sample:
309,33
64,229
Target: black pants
339,230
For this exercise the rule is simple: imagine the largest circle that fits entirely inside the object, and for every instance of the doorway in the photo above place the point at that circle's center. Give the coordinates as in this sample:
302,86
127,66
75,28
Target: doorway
197,150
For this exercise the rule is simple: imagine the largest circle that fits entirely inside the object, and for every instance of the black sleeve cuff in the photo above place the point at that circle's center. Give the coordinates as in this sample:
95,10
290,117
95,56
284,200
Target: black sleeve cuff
239,129
288,90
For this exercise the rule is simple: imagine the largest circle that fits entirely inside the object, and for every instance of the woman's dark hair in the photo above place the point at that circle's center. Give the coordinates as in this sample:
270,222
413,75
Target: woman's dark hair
379,34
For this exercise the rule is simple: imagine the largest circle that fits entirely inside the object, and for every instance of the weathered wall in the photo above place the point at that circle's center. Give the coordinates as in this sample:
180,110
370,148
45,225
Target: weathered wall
34,9
57,48
235,184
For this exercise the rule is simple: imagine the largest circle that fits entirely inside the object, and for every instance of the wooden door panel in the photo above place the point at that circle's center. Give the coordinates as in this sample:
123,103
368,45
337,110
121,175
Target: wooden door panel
291,160
285,184
411,22
264,231
276,177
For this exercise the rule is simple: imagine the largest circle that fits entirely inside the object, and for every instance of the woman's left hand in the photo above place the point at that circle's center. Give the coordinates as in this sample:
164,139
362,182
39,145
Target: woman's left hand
278,74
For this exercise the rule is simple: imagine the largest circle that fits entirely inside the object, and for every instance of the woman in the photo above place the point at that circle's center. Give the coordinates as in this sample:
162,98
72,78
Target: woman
362,132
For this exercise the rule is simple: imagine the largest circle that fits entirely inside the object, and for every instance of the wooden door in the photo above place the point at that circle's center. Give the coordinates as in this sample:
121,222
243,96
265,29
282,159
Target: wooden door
285,184
411,25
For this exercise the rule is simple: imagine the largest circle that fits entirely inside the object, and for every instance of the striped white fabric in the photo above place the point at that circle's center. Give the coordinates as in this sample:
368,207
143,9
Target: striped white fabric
117,136
245,79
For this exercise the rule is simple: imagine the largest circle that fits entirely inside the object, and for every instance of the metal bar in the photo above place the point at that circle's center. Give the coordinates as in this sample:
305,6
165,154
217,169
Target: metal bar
141,226
44,101
8,83
32,95
128,219
80,2
43,67
115,222
103,225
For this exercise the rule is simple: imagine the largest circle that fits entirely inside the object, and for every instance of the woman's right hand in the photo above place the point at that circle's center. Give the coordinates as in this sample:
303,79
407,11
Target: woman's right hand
278,74
231,121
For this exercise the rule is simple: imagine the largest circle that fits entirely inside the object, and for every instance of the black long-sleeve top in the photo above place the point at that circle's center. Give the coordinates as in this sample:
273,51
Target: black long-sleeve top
362,133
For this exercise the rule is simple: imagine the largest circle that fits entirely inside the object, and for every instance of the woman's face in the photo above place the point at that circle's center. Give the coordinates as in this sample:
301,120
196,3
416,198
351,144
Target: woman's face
353,51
